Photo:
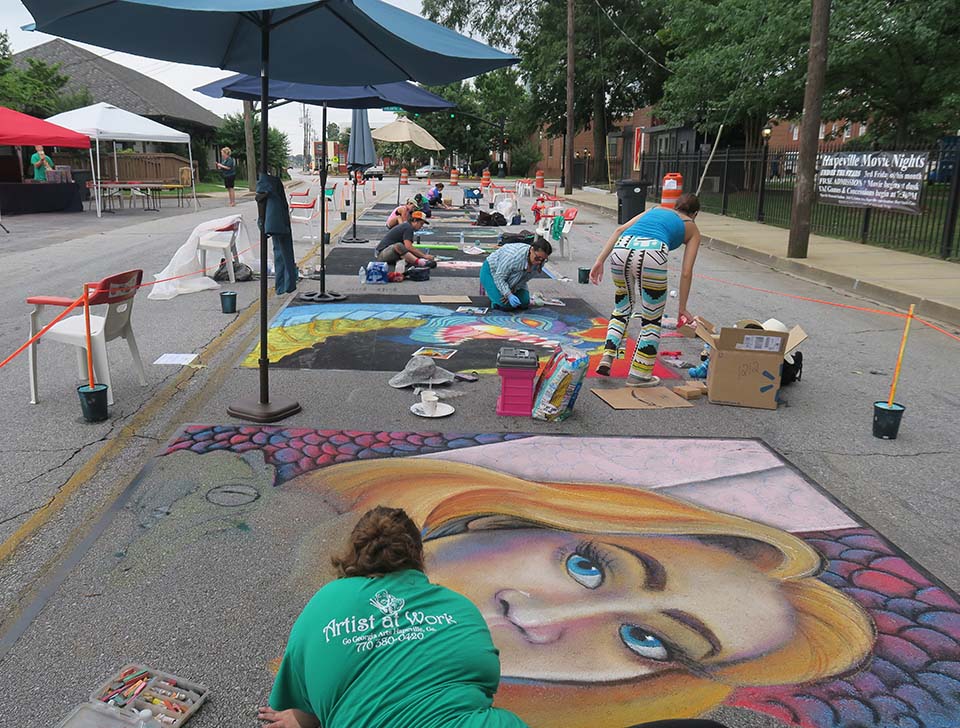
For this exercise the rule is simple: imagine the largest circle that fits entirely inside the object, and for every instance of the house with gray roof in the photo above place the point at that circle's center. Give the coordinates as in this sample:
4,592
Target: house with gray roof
123,87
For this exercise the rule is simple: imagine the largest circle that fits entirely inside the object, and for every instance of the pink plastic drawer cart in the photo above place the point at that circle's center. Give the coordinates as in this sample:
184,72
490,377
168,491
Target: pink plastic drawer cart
517,369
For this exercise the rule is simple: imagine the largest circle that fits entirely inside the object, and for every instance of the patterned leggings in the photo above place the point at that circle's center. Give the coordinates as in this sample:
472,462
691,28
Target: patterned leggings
649,269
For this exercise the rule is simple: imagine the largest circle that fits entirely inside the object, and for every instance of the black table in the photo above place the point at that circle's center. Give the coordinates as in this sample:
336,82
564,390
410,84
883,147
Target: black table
23,198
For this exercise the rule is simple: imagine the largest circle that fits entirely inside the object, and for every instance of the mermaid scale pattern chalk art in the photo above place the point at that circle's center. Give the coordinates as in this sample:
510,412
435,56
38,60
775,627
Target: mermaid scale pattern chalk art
631,579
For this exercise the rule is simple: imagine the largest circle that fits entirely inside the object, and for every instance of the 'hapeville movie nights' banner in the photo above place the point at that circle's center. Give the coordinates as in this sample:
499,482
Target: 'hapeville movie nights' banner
887,180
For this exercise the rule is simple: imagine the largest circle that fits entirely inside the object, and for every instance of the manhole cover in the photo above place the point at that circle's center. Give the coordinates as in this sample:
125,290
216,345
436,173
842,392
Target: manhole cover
233,495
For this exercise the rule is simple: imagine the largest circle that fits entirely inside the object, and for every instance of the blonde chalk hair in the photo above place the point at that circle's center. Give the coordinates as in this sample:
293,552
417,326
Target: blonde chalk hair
833,635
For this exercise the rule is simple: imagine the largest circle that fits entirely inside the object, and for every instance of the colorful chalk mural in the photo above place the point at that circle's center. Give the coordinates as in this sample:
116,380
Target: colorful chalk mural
631,579
383,334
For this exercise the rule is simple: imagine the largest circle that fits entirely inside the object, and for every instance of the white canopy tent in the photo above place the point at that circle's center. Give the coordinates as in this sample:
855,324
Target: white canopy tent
110,123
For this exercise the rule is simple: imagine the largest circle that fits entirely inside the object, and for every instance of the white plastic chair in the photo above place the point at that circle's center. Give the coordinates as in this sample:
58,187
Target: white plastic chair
311,216
116,292
223,242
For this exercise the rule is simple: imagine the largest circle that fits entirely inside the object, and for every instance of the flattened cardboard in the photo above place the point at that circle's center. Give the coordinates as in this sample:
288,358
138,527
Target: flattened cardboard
437,298
641,398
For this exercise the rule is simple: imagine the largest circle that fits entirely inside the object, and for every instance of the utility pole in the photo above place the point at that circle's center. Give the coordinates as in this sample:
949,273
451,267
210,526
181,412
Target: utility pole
803,192
251,147
568,161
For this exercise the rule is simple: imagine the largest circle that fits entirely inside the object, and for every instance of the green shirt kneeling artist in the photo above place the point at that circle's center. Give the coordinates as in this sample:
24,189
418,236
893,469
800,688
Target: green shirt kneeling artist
382,647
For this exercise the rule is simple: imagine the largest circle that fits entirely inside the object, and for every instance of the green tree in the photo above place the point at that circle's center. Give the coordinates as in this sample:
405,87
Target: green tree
36,88
333,132
738,62
619,65
230,134
895,65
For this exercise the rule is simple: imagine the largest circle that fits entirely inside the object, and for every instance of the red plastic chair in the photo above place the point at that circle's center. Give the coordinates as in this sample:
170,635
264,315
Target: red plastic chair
116,293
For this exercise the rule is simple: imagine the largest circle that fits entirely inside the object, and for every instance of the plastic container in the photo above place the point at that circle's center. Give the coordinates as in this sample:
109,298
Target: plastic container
162,693
517,369
886,419
583,275
93,402
228,301
362,274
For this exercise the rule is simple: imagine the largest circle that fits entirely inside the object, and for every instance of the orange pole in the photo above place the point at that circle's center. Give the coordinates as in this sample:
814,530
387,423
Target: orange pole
23,347
86,326
903,346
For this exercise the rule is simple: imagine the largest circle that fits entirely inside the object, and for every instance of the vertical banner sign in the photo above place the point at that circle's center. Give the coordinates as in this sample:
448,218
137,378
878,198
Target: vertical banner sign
886,180
637,148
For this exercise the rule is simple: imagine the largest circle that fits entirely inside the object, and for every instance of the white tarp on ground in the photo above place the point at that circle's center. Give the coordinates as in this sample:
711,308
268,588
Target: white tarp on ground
107,122
186,261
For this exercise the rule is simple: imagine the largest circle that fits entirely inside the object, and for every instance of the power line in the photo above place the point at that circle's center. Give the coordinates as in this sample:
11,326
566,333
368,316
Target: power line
632,41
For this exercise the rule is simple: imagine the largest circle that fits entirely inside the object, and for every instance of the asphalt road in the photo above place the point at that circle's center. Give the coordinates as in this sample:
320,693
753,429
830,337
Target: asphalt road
199,623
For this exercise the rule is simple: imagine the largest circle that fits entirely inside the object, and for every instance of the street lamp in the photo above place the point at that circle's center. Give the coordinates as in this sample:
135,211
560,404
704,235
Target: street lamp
765,135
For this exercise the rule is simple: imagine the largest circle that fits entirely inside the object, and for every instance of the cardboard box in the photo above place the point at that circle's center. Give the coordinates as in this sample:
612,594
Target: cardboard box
745,364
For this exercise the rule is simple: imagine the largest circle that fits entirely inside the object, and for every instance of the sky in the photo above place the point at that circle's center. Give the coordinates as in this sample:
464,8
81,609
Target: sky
184,79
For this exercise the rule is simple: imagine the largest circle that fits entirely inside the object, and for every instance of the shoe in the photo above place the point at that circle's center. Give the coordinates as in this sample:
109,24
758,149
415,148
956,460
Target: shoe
651,381
431,264
603,368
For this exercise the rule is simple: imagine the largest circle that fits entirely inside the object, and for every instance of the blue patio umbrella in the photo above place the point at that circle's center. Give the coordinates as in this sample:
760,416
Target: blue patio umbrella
404,94
383,42
360,157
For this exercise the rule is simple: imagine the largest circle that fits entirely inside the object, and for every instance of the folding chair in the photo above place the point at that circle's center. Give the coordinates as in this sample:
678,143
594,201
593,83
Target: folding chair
223,242
116,292
310,219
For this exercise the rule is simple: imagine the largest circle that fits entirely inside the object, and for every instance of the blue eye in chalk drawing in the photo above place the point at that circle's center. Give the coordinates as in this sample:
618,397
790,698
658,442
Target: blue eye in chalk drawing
585,570
641,642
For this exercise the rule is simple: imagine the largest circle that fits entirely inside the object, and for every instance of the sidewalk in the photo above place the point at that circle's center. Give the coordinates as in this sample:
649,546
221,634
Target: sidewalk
887,276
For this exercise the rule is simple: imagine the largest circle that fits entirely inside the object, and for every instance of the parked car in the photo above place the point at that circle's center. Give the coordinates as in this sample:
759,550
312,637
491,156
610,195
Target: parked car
430,170
374,171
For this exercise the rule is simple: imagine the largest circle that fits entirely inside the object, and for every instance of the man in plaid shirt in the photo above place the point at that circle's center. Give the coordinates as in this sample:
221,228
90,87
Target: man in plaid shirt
505,273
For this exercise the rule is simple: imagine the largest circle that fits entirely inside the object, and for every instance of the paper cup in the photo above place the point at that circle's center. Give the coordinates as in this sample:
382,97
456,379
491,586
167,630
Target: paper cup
428,401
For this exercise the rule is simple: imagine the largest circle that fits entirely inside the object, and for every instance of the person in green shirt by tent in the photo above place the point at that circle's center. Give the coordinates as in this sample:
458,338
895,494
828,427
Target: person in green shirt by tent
40,163
382,647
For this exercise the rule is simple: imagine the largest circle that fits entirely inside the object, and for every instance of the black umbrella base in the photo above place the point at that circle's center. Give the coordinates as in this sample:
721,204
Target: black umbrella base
253,410
321,297
353,240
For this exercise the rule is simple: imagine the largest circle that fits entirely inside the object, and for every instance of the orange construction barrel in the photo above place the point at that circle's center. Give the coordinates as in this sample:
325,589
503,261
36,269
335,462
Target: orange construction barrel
540,181
403,176
485,180
454,177
672,189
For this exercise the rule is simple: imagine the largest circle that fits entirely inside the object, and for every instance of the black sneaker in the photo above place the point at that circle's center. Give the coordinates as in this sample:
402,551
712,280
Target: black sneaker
431,264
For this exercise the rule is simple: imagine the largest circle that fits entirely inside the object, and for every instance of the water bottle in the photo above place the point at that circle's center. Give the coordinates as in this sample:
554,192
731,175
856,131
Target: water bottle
362,274
401,266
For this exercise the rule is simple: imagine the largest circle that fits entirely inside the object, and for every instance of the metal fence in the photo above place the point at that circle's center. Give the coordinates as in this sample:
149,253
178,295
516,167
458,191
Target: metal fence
758,184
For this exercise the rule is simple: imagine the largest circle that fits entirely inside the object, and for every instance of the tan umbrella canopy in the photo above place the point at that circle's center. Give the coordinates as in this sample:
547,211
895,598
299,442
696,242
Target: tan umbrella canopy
406,132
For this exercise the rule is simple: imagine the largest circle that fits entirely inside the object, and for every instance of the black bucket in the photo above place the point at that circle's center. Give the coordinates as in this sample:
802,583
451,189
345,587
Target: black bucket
93,402
343,215
886,420
583,275
228,301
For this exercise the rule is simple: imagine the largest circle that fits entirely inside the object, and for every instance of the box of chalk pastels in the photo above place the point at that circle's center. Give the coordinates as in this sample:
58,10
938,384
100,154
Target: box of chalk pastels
139,697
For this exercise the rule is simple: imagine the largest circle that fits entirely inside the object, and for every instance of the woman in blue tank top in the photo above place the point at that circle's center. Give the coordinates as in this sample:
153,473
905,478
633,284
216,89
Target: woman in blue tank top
638,252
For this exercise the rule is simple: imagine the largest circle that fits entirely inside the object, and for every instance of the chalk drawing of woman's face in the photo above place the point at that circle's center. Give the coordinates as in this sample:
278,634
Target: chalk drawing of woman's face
566,607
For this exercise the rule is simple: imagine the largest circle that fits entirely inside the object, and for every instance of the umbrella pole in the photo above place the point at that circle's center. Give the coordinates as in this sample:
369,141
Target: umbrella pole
262,409
353,238
323,295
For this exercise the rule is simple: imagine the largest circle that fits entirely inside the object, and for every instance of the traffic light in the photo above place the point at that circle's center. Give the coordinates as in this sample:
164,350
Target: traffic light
452,115
416,115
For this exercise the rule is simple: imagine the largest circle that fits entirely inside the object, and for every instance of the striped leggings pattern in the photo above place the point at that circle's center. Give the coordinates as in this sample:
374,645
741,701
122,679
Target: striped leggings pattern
646,269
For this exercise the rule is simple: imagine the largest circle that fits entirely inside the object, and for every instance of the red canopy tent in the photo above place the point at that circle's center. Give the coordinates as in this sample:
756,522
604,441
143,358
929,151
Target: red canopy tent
17,129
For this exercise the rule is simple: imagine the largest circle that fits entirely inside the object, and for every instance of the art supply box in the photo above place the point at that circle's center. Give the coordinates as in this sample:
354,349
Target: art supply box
517,369
745,364
171,700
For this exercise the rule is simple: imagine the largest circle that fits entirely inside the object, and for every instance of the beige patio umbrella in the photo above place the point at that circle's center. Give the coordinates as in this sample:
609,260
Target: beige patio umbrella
404,131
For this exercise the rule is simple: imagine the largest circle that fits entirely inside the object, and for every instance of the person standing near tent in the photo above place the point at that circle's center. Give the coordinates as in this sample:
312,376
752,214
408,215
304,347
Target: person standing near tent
40,163
228,170
638,252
